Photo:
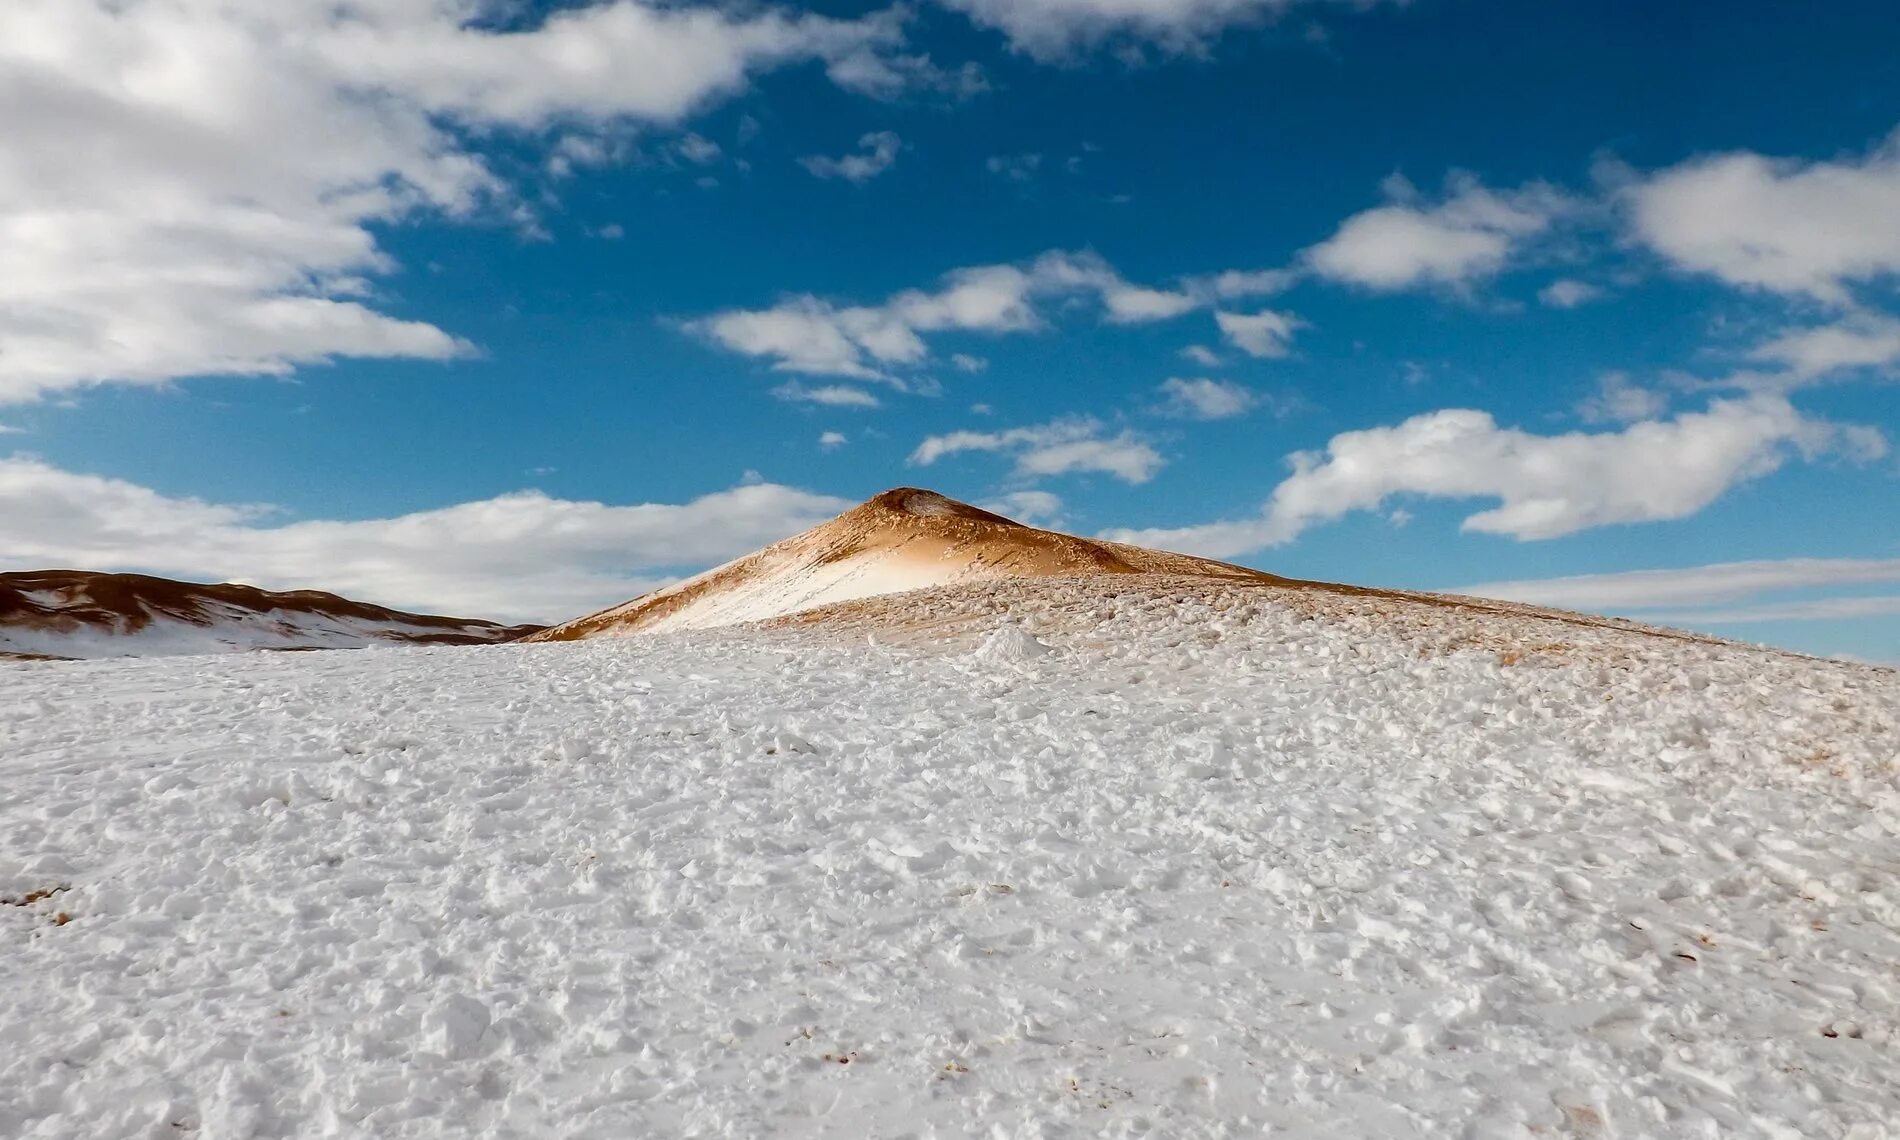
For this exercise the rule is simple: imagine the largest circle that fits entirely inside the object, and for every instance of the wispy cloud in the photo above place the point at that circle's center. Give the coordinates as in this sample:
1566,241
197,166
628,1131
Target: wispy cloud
879,153
1058,448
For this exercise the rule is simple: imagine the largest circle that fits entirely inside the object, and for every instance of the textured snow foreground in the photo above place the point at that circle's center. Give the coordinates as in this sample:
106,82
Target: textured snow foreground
1221,862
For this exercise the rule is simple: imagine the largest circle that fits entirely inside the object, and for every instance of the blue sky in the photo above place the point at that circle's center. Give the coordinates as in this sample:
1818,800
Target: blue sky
494,309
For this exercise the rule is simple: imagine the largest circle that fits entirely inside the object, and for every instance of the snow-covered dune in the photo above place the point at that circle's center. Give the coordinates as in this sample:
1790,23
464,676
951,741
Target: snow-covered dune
903,539
1075,856
80,614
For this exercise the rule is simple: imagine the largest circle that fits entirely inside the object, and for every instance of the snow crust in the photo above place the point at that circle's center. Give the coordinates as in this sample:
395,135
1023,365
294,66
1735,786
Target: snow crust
1013,644
1219,865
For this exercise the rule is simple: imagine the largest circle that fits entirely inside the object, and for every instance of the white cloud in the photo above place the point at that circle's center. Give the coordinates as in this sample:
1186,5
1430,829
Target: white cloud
1058,448
887,75
218,218
1237,284
1057,29
1265,334
1858,340
1123,302
830,395
1568,293
807,335
832,440
1040,508
1702,596
880,154
699,150
1618,401
1205,399
1812,609
522,556
1469,235
1690,586
1124,457
1202,355
810,335
1546,486
1812,228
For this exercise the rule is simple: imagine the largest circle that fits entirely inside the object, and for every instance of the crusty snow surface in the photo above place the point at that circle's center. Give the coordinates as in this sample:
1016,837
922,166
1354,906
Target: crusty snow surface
1208,865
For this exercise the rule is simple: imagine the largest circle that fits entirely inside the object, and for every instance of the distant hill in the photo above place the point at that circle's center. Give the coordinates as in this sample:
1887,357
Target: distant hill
80,613
937,552
904,539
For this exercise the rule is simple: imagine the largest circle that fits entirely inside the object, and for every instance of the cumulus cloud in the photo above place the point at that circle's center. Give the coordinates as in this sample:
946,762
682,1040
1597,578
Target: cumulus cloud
1807,228
1859,340
878,342
1058,448
810,335
1265,334
879,154
519,557
1619,401
1042,508
832,440
1201,398
1568,293
1546,486
219,217
1470,234
1058,29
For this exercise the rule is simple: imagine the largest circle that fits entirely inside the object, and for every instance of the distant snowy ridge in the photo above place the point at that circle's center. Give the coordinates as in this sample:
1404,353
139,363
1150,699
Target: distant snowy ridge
79,614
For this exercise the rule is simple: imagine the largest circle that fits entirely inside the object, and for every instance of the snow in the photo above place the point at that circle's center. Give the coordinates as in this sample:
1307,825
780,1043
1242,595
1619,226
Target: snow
1222,862
793,588
223,629
1013,644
